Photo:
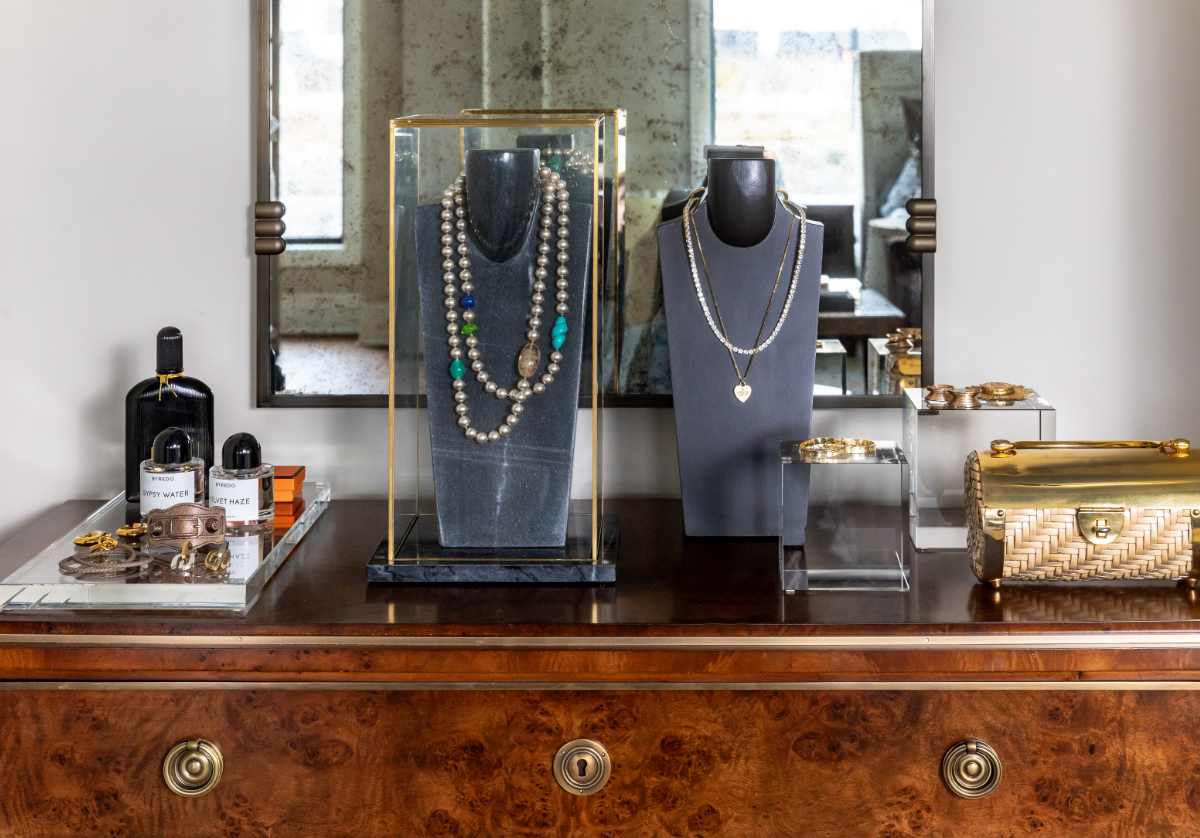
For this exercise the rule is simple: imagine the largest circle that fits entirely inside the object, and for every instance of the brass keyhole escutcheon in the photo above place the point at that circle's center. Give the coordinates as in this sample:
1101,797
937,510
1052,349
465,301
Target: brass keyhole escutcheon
582,767
193,767
971,769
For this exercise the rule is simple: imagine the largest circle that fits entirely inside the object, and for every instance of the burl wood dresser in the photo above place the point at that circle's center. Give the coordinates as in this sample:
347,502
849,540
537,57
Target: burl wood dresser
718,706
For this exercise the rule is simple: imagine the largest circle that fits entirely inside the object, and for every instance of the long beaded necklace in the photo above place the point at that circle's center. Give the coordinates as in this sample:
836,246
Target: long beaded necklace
553,249
742,389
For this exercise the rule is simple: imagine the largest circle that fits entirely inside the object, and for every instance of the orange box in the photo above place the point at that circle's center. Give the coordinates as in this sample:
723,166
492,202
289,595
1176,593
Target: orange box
289,484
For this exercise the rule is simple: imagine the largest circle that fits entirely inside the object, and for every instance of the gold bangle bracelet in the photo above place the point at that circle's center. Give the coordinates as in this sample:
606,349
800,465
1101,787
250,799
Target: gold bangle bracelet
837,446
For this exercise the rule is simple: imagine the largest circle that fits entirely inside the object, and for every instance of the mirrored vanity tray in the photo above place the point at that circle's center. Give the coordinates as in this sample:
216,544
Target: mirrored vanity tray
38,583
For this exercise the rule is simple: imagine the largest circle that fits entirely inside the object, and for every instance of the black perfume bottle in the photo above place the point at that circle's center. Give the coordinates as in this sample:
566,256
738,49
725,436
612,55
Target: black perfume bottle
167,399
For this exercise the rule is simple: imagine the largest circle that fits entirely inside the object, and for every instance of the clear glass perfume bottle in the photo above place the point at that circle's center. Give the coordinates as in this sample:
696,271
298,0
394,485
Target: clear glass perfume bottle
171,475
243,485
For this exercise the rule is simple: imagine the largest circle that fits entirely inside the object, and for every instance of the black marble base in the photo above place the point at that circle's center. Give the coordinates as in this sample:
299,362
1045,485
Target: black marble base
421,560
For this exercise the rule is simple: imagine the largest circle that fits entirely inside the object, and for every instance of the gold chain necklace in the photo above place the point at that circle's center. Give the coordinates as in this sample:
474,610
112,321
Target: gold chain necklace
742,389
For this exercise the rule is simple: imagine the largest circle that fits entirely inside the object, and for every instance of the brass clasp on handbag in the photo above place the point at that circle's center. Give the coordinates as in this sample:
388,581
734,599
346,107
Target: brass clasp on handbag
1100,524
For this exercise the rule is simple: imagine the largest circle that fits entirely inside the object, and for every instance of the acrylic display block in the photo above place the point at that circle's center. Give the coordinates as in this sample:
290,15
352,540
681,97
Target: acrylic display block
253,561
938,440
848,546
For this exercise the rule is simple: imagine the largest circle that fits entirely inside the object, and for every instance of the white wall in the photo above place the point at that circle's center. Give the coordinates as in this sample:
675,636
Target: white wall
1068,188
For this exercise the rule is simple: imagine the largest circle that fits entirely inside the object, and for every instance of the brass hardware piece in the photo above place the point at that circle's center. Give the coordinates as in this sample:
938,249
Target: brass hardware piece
939,395
269,209
922,207
1003,448
193,767
971,769
582,767
997,389
921,244
1193,578
966,398
269,227
269,247
898,340
1176,447
921,225
1100,524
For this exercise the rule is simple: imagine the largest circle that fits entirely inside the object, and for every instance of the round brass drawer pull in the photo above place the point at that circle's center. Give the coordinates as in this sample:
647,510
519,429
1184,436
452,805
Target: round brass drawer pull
971,769
582,767
193,767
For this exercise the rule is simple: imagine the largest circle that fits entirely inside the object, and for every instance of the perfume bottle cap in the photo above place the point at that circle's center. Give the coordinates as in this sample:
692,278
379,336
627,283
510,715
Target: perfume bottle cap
172,447
240,452
170,350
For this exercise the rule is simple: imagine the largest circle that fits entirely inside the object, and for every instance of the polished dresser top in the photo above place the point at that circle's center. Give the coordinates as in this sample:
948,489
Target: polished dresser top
667,586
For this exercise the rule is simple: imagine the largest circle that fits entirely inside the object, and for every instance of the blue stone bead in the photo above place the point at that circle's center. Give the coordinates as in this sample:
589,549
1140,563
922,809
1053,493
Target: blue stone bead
468,301
558,339
560,323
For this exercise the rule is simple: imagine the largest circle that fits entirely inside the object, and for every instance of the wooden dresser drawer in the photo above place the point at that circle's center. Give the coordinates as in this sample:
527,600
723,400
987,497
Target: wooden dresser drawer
367,762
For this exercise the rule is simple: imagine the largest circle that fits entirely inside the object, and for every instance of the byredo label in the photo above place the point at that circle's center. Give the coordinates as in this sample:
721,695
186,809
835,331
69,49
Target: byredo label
245,552
239,498
161,489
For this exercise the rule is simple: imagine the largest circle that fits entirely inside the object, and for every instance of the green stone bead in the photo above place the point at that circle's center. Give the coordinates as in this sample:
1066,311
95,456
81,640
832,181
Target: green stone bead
469,329
457,369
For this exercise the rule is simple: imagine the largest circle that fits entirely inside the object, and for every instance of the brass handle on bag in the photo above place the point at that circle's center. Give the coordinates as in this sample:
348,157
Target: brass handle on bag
1176,447
971,769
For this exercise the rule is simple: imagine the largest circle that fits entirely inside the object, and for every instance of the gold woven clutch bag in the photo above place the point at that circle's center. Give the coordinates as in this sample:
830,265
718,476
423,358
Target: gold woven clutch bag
1083,511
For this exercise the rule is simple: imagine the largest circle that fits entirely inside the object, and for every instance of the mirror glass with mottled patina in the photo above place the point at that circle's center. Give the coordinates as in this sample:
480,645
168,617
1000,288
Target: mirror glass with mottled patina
833,91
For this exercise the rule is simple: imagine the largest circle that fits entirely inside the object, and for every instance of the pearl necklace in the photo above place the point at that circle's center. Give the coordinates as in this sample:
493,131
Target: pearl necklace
689,233
553,245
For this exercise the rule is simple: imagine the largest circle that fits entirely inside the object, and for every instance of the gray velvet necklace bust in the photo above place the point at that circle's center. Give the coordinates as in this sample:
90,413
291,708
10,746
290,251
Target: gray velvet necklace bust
514,492
729,450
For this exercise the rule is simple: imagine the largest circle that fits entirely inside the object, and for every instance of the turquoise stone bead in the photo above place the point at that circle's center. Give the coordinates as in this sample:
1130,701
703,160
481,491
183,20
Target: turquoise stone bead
457,369
558,339
560,324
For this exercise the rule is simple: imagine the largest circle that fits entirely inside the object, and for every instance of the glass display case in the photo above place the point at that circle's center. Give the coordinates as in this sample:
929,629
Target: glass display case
254,557
612,215
850,535
495,402
938,439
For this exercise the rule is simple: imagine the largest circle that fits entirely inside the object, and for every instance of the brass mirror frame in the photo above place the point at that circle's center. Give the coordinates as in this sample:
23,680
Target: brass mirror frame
267,265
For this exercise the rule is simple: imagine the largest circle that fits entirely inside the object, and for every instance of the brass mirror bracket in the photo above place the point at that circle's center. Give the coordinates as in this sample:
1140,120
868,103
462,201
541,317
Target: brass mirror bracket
269,228
921,225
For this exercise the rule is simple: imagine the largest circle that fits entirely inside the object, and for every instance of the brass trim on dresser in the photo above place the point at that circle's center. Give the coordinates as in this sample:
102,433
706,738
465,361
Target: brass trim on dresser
602,686
1031,640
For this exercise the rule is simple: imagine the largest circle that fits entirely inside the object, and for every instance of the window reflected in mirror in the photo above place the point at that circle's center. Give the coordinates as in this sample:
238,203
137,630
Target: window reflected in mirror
831,91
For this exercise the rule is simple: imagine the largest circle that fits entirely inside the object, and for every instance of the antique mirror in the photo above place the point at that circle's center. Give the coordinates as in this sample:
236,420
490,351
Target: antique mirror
838,92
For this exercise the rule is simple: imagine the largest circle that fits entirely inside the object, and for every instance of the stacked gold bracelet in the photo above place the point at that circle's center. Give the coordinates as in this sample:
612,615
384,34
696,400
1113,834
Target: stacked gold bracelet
836,447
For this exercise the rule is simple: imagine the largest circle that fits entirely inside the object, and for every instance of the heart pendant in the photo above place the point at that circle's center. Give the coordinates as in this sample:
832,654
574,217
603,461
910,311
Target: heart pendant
742,392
